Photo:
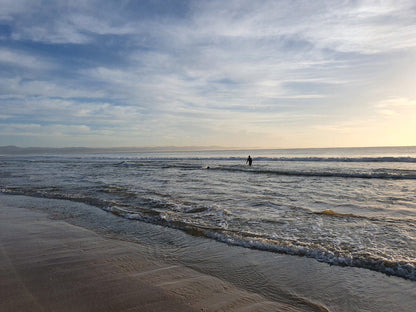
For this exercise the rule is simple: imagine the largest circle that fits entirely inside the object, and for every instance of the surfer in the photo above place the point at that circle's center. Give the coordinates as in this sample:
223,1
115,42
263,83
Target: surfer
249,160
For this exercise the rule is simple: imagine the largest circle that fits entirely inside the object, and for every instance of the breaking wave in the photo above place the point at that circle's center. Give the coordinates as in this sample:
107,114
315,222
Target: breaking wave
321,251
344,159
400,175
316,250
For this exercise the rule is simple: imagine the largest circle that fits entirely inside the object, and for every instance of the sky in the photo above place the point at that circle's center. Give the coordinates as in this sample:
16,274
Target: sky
249,74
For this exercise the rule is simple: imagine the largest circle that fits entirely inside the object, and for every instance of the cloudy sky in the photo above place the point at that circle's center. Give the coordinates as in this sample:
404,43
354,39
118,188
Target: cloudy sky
271,74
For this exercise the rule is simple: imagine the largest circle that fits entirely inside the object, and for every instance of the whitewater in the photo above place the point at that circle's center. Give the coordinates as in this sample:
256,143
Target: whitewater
352,207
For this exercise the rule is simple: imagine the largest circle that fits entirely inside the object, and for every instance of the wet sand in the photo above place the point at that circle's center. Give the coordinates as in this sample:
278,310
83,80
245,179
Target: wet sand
51,265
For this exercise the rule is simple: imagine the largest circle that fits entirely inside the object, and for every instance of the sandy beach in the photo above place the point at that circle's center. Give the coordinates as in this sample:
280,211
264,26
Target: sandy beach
51,265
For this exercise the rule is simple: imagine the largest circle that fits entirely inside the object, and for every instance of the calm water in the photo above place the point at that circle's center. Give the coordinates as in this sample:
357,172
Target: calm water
347,207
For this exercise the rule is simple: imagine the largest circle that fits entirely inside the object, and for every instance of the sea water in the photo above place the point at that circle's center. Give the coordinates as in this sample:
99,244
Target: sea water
353,207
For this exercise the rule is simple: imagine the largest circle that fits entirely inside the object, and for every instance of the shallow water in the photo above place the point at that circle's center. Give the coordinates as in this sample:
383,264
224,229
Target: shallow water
299,281
347,207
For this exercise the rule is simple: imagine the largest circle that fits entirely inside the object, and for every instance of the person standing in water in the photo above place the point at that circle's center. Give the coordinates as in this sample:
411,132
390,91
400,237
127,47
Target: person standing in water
249,160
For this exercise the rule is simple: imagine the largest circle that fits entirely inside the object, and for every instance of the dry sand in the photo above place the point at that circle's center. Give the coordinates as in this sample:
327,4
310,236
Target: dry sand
50,265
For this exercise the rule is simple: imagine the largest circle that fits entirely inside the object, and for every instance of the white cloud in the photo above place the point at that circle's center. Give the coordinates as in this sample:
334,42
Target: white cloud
261,67
396,102
397,109
101,26
62,33
18,87
363,27
24,60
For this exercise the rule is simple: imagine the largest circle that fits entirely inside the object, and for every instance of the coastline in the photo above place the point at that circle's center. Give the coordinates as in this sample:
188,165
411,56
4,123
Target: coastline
190,273
51,265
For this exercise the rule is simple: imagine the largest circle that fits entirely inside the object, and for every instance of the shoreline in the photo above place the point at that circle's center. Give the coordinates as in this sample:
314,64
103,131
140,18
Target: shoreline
56,266
208,267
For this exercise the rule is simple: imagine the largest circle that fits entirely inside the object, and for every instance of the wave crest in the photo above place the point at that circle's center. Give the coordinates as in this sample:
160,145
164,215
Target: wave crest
398,175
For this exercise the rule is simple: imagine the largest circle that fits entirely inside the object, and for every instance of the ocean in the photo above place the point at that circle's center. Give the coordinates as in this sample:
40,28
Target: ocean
346,207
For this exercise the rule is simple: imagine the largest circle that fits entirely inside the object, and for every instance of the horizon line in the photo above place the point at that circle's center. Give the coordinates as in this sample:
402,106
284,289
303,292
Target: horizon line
183,148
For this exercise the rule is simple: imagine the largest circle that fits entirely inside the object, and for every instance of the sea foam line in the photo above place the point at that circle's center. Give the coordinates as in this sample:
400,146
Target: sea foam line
398,176
402,269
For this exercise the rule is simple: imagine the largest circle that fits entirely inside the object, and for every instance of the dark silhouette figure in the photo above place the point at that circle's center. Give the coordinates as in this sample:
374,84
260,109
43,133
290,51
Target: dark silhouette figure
249,160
